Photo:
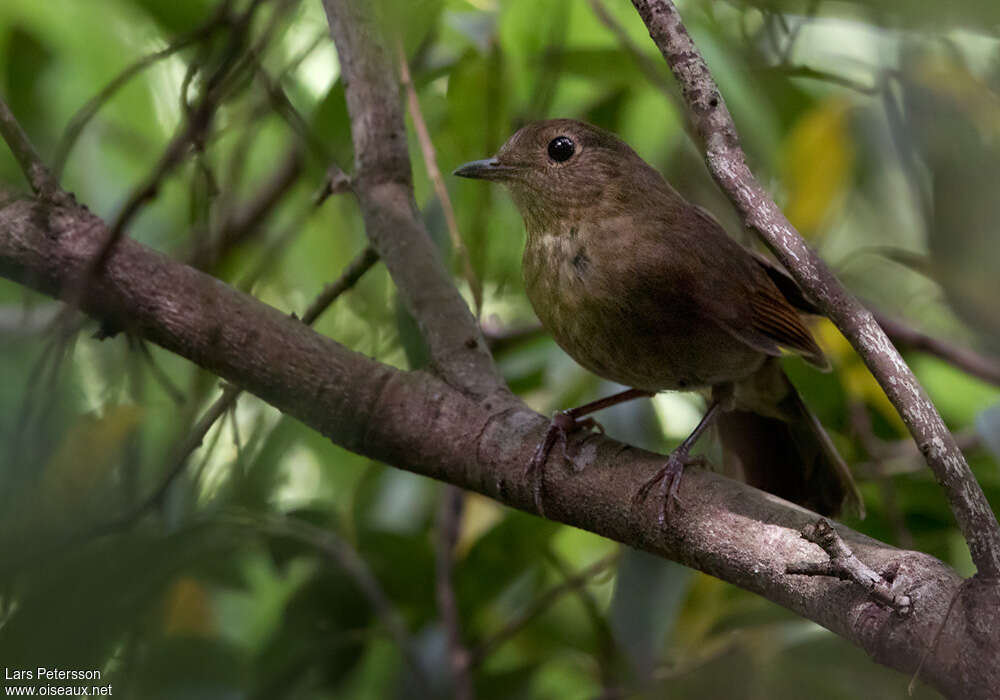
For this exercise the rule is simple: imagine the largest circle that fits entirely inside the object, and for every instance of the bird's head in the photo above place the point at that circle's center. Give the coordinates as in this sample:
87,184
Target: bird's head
561,167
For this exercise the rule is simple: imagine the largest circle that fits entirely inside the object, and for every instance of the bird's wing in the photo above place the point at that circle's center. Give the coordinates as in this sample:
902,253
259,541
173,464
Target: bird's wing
788,287
751,305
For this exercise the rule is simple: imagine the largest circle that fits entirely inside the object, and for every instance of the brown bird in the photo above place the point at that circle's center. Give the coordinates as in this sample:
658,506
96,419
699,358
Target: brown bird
646,289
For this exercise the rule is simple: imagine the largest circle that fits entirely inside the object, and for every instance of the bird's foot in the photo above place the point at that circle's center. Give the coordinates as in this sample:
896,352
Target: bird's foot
669,480
562,425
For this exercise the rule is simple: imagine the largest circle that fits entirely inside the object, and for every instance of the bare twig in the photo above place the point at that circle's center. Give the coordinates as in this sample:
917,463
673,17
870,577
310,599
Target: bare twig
900,451
182,451
607,648
798,71
83,116
37,174
645,64
244,221
539,606
175,463
434,172
350,277
905,337
861,426
383,183
844,565
161,377
449,519
727,163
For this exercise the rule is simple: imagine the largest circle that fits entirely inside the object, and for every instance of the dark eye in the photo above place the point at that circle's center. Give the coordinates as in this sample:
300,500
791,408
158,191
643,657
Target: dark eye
561,149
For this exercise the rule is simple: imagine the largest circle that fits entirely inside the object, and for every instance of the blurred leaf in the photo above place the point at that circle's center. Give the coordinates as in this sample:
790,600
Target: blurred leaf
332,125
648,595
121,579
187,609
818,153
69,480
499,557
26,59
988,427
189,668
971,14
178,16
412,20
954,117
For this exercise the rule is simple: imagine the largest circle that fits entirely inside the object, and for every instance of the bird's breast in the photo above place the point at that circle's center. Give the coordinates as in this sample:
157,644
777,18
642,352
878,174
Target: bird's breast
590,292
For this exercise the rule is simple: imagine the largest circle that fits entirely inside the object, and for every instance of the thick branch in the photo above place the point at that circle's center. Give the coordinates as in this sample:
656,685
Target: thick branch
417,422
727,163
383,183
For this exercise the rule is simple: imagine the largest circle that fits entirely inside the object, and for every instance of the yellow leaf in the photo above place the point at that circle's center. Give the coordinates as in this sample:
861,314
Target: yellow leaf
187,609
818,156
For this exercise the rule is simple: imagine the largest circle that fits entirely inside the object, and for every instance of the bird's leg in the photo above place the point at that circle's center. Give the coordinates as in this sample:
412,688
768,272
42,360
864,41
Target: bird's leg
669,477
566,422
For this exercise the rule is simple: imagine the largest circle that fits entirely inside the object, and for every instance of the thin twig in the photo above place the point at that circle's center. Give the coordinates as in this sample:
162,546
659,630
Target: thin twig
797,71
861,426
937,637
161,377
844,565
968,439
905,337
607,649
348,559
41,180
646,65
434,173
193,440
351,275
539,606
244,221
449,519
83,115
727,162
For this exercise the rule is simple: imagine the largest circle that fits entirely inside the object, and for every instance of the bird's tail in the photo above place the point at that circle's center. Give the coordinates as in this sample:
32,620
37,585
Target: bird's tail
790,456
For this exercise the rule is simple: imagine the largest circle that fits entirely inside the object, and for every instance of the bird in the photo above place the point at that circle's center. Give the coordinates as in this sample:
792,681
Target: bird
646,289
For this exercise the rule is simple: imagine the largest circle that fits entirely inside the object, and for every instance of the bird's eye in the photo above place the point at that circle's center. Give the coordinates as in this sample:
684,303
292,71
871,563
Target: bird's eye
561,149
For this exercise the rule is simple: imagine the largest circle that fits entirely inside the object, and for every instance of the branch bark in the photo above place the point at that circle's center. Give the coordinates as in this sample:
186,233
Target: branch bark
727,163
416,421
966,359
384,186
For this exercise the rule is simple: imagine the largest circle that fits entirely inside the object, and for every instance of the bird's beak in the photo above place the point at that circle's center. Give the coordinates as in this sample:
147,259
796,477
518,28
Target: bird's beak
486,169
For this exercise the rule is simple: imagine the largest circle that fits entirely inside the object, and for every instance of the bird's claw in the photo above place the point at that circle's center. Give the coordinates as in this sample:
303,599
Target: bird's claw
563,423
669,479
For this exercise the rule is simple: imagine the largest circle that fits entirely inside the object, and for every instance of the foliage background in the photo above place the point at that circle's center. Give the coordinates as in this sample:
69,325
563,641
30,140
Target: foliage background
876,125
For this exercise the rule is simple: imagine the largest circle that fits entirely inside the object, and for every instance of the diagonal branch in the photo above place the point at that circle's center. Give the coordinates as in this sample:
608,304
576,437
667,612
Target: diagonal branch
384,186
727,163
415,421
968,360
36,172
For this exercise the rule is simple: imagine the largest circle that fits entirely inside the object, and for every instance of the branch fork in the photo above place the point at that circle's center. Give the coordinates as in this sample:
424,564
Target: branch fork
843,564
